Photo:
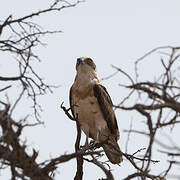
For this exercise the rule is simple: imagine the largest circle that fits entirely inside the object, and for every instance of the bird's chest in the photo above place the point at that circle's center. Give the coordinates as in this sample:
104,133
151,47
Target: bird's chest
89,116
84,100
87,108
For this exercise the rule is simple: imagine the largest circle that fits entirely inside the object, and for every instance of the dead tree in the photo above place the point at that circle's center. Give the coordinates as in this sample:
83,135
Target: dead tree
19,37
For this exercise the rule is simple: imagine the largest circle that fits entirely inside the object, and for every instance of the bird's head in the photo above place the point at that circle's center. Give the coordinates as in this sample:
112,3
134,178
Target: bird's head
85,64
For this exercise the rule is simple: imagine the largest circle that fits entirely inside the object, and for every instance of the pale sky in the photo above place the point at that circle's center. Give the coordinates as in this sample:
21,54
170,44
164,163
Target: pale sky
115,32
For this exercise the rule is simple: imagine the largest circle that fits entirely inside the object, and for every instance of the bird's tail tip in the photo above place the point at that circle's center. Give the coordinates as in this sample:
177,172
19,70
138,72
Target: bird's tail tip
113,152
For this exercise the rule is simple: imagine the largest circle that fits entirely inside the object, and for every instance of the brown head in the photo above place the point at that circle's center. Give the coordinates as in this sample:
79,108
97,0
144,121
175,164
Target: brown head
85,63
86,68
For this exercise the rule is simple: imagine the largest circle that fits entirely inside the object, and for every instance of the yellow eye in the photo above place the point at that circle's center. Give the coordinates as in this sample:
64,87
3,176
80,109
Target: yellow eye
89,61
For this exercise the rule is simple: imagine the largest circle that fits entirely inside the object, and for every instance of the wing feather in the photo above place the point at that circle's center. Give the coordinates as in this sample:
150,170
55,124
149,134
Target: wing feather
106,107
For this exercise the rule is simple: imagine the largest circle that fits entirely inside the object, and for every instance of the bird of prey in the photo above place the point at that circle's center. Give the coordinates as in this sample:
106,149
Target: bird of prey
92,105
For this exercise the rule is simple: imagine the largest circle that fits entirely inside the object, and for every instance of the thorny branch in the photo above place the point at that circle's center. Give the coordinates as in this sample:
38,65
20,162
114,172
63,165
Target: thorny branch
107,171
94,159
79,160
19,38
154,99
13,152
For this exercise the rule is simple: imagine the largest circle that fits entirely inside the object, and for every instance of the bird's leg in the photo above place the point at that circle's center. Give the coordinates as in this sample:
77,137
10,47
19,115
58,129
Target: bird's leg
86,145
95,143
86,142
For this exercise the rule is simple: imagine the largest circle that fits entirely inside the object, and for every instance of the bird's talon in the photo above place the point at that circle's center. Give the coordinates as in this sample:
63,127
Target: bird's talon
84,148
